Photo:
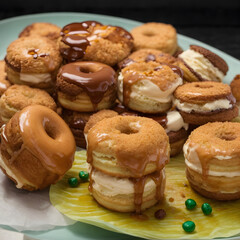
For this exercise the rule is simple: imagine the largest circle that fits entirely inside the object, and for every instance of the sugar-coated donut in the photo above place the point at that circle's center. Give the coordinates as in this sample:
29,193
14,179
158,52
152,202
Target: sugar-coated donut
33,61
37,148
127,146
212,157
148,86
235,88
203,102
200,64
154,35
4,83
147,55
17,97
43,29
127,155
92,41
86,86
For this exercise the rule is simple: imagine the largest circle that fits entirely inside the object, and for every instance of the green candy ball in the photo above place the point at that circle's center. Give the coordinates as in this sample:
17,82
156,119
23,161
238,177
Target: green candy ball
190,204
188,226
73,182
207,209
83,175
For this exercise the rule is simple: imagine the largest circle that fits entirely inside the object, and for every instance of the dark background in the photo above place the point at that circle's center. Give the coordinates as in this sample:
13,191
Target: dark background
215,22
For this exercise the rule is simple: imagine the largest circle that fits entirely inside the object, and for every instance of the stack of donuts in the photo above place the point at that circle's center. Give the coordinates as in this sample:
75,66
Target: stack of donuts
126,96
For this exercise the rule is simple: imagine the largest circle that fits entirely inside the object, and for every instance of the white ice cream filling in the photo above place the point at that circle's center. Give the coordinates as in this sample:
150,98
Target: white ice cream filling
175,122
201,65
207,107
36,77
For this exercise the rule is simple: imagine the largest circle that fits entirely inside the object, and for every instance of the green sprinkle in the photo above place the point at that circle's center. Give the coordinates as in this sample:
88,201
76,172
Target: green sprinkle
188,226
206,208
83,176
190,204
73,182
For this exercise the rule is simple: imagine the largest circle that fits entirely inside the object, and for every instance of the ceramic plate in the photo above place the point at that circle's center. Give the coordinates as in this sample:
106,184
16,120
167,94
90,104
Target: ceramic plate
10,28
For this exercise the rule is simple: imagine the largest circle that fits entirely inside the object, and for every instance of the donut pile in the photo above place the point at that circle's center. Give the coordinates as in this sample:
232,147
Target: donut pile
127,96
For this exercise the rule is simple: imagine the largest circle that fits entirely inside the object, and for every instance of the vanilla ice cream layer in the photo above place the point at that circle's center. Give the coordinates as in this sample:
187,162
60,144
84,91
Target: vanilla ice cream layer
112,186
192,161
175,122
202,65
36,77
207,107
147,89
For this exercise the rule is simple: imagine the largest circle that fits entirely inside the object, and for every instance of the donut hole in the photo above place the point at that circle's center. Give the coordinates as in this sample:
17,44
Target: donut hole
125,129
203,86
227,136
51,130
85,70
148,33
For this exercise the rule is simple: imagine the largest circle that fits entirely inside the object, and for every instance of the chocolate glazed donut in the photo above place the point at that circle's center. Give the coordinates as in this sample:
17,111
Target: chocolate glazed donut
86,86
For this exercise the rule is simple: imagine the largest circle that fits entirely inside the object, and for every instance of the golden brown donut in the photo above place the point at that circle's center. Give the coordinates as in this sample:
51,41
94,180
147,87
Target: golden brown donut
43,29
17,97
127,146
148,86
200,64
154,35
37,148
147,55
235,87
202,102
92,41
127,155
212,157
4,83
86,86
33,61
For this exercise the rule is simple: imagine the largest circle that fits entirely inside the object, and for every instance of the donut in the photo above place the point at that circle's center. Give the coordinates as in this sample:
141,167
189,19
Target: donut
33,61
92,41
212,157
123,146
42,29
147,55
4,83
148,86
76,122
130,153
86,86
235,88
200,64
154,35
203,102
17,97
37,148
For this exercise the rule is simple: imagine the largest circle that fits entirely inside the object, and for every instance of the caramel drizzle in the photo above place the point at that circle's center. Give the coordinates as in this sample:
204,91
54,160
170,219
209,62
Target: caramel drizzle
95,84
75,35
34,53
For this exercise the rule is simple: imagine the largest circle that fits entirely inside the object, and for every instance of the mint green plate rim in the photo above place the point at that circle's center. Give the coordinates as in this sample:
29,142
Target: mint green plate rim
10,28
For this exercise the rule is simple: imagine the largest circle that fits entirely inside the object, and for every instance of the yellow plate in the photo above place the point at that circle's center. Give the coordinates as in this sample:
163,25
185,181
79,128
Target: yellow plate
77,203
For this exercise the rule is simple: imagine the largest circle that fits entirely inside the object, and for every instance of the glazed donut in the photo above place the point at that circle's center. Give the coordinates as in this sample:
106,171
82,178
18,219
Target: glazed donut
17,97
4,83
203,102
37,148
127,146
43,29
86,86
200,64
154,35
92,41
148,86
33,61
147,55
212,157
127,155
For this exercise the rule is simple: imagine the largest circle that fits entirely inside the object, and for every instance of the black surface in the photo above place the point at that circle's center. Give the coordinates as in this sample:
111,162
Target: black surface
214,22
